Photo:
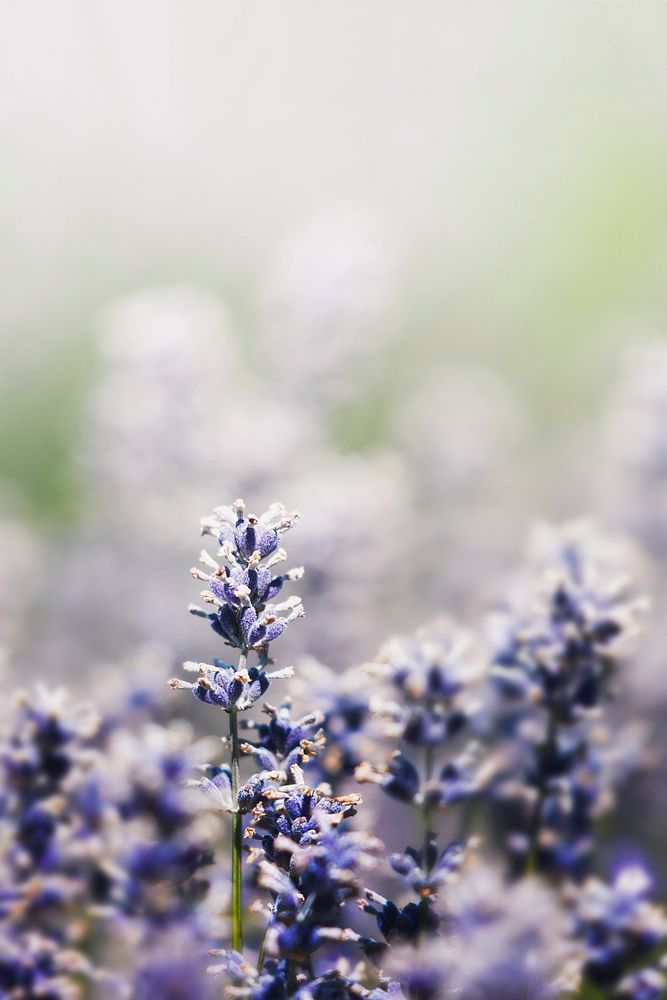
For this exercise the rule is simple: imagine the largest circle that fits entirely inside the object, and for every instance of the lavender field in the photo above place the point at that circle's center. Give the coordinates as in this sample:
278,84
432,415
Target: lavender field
333,502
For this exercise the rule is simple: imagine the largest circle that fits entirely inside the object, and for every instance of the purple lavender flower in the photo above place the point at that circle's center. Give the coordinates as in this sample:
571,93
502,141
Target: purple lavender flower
559,644
500,943
556,654
647,984
619,926
241,588
434,681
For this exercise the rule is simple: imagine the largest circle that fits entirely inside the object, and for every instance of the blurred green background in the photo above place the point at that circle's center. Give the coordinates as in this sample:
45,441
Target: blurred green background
515,153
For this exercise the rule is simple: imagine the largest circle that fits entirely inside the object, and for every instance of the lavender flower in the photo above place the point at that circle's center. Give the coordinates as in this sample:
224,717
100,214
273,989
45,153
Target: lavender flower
647,984
52,871
241,588
619,927
499,943
434,679
554,664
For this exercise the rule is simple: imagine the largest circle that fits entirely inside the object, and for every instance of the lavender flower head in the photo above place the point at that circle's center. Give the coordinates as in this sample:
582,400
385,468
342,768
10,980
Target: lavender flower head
556,653
432,693
559,643
620,928
242,588
498,943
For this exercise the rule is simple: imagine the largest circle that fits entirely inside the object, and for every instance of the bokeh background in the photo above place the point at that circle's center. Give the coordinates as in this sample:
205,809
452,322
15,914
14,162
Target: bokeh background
512,155
402,268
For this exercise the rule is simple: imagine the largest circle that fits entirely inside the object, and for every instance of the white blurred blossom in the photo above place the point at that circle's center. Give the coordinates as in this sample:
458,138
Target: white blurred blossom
327,302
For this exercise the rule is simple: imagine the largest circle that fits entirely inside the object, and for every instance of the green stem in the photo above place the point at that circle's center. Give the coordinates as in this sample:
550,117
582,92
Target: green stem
427,809
426,817
260,956
538,809
237,827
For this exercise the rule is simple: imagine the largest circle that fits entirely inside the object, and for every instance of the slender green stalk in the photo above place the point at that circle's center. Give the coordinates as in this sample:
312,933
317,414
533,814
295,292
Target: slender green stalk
538,809
237,827
426,822
261,954
427,809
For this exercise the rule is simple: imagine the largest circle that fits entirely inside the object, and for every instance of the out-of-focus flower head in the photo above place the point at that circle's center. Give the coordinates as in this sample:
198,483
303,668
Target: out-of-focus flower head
351,539
618,925
647,984
165,354
560,640
427,872
172,967
33,965
432,684
345,715
556,652
460,430
163,845
432,675
327,303
53,866
498,941
632,488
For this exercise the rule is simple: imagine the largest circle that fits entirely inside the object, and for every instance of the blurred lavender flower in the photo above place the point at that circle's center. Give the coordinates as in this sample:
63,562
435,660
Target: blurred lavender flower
498,943
620,928
52,869
327,303
163,848
556,652
647,984
632,486
352,504
435,680
173,968
347,725
170,375
460,429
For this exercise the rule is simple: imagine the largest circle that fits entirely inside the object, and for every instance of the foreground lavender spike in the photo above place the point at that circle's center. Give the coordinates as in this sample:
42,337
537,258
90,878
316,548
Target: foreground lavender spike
241,589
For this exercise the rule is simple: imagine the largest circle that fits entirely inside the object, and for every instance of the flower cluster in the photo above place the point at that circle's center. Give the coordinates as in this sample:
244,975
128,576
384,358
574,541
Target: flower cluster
53,873
305,862
113,833
622,930
556,652
498,944
432,682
